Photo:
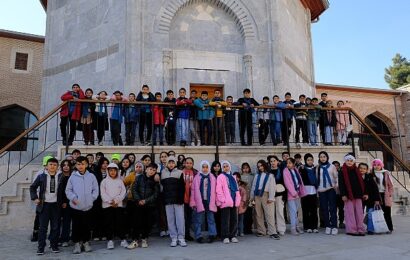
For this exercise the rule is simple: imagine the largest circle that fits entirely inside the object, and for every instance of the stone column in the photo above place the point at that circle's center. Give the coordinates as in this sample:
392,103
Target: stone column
248,71
166,70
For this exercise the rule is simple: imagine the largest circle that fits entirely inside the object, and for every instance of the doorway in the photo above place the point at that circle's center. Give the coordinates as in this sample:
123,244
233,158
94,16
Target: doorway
207,87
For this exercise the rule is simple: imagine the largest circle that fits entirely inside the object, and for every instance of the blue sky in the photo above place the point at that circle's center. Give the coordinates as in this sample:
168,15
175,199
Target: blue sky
353,41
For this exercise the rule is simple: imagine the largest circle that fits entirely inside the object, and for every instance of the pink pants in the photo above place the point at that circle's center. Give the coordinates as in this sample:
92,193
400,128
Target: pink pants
354,216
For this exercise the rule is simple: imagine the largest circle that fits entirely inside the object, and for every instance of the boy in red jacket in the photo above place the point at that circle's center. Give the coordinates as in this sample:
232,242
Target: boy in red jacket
71,113
159,120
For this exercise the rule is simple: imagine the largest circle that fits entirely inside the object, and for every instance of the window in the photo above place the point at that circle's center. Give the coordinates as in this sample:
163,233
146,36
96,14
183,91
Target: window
21,61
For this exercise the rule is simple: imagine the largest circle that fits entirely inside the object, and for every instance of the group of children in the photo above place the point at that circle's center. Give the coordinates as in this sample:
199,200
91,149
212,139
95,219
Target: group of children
133,195
178,119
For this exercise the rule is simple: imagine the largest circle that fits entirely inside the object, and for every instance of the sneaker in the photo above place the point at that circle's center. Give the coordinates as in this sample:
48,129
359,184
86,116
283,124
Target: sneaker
65,244
192,143
226,241
335,231
260,235
100,143
182,242
174,243
77,248
309,231
55,249
200,240
110,245
40,251
275,236
163,234
133,244
294,232
199,143
315,231
281,234
144,243
87,247
234,240
124,243
328,231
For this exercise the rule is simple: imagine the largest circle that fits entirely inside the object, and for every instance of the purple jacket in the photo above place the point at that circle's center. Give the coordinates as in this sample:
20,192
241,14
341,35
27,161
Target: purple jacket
196,196
290,187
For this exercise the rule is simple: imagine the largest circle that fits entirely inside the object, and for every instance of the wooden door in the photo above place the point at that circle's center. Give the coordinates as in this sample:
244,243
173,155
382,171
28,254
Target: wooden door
207,87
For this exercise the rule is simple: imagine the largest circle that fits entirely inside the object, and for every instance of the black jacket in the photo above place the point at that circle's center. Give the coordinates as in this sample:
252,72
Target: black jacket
62,184
354,183
372,191
145,188
41,181
173,186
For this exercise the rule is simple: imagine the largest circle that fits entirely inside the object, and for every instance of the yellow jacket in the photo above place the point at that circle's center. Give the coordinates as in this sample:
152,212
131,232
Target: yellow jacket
219,111
129,182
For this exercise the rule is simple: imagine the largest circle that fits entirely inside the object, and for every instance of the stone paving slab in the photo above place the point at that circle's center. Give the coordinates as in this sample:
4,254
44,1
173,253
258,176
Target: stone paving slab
15,245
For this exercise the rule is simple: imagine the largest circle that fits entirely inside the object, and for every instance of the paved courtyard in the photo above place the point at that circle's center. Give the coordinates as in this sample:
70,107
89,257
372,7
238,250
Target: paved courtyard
15,245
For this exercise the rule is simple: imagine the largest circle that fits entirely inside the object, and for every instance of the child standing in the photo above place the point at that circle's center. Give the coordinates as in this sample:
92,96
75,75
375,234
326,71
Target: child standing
65,220
219,105
117,113
280,194
228,199
352,190
82,189
87,118
205,115
159,121
112,194
48,205
247,177
183,110
246,116
203,203
101,116
264,121
229,120
342,122
146,114
145,193
327,182
276,118
189,173
244,203
172,181
309,202
312,121
263,193
169,113
385,184
301,119
296,190
329,123
131,118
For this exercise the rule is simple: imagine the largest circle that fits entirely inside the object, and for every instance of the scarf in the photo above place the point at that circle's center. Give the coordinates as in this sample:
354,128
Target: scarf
232,185
311,175
297,181
345,171
259,192
326,176
278,175
201,187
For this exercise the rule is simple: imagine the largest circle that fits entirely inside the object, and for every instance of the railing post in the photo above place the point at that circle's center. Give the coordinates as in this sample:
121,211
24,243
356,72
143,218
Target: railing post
67,130
287,130
352,135
153,133
216,138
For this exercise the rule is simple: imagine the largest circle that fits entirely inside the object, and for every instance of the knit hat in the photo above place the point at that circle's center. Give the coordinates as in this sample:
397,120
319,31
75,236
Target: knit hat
349,157
377,162
116,156
46,158
171,158
113,165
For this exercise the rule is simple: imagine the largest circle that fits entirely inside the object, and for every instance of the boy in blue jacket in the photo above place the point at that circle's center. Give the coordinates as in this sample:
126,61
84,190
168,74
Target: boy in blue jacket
205,115
276,119
82,190
131,117
48,205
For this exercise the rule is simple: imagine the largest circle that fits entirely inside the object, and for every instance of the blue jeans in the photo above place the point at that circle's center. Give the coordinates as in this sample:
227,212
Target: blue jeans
312,128
240,224
182,129
327,201
160,129
198,221
328,134
275,131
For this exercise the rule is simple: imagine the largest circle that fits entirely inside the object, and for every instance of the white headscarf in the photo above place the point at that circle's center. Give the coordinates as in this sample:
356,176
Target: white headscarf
230,166
209,167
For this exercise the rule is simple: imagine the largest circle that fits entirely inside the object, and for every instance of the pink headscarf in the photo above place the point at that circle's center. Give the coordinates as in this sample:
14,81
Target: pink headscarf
378,162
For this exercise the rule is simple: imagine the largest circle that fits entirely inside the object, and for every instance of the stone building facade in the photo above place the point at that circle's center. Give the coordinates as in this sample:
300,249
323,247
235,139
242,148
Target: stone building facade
169,44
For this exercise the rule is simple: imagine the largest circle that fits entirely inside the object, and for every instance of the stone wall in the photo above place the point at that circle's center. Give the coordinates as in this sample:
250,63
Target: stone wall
18,87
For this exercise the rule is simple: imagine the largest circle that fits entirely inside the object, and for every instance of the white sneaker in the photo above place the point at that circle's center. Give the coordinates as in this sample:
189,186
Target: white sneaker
163,234
77,248
133,244
335,231
65,244
124,243
192,143
182,242
144,243
309,231
174,243
199,143
281,233
87,247
234,240
226,241
328,231
315,231
110,245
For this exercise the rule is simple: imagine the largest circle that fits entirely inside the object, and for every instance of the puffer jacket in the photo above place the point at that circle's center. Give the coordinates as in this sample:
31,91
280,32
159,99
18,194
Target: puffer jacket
145,188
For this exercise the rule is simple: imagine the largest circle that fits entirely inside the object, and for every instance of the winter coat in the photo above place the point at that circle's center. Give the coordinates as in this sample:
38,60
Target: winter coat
276,114
196,196
214,103
314,113
183,107
83,188
112,189
159,118
342,119
41,182
204,112
223,194
131,113
150,98
173,186
145,188
292,192
73,108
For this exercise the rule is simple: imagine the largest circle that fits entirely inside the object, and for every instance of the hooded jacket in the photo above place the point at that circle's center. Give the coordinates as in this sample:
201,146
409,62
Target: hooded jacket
112,189
173,186
83,188
145,188
196,196
223,194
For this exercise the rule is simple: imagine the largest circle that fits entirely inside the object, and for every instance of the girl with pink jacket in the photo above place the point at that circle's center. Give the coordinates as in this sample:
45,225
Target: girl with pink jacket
385,184
202,201
296,190
228,199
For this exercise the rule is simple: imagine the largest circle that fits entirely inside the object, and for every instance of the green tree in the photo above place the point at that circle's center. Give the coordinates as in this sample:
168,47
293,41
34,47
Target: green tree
398,74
